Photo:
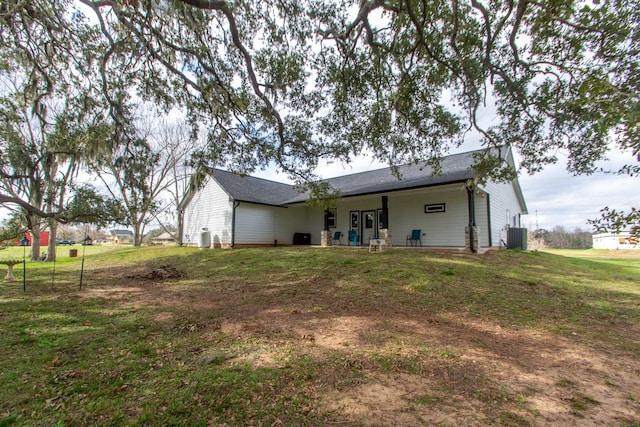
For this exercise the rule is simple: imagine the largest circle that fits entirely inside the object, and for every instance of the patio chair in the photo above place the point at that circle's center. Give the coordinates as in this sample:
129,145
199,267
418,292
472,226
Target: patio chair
336,237
353,237
414,238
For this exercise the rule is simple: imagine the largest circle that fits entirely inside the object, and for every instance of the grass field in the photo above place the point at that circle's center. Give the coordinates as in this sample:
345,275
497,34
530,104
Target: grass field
313,336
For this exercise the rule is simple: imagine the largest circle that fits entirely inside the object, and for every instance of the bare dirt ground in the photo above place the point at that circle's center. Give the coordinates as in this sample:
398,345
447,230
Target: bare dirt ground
464,371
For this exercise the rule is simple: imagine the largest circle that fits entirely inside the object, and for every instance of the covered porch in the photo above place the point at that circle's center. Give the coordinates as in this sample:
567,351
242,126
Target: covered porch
444,217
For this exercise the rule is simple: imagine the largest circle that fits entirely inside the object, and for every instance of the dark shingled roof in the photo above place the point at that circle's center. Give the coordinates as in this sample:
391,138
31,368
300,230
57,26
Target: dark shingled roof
254,190
455,168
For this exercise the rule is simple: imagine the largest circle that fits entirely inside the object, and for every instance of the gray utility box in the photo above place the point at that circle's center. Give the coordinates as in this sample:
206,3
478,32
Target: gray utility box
517,238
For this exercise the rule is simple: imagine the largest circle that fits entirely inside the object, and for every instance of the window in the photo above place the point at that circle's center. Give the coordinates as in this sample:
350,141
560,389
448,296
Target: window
354,219
331,219
436,207
368,220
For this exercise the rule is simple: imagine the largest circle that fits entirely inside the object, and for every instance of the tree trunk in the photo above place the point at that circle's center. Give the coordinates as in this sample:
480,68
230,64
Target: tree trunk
52,248
35,243
137,238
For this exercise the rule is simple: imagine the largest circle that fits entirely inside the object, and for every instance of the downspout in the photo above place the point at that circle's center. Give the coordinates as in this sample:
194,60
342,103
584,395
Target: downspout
472,219
489,220
233,223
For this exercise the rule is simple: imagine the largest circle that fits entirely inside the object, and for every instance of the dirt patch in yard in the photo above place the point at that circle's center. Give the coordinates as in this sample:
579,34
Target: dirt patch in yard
400,364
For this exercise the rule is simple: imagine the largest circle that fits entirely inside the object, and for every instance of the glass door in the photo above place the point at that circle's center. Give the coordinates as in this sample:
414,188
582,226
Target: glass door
368,226
354,229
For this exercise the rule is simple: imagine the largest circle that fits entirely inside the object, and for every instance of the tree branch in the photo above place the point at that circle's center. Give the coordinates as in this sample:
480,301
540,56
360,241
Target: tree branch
26,206
207,4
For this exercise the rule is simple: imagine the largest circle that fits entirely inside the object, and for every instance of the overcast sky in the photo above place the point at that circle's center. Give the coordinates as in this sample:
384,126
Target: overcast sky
553,196
560,198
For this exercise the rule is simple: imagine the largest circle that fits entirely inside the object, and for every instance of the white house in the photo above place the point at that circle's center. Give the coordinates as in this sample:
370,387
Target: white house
622,240
121,237
247,211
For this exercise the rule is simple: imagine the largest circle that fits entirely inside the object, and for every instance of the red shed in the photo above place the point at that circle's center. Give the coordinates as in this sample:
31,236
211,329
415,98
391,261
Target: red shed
44,238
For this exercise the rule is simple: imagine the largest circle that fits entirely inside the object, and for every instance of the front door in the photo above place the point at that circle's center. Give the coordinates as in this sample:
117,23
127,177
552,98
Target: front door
368,226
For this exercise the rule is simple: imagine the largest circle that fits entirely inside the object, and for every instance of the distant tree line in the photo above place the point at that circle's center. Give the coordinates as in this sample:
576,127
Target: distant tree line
560,238
12,230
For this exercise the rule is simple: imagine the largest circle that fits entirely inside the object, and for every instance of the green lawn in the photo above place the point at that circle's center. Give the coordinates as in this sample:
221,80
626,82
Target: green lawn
313,336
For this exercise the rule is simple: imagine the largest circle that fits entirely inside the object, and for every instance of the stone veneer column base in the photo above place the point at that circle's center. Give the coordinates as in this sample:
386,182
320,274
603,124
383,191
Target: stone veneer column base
325,238
476,240
386,235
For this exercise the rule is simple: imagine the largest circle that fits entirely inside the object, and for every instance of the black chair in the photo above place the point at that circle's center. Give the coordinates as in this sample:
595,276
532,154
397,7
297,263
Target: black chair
414,238
336,237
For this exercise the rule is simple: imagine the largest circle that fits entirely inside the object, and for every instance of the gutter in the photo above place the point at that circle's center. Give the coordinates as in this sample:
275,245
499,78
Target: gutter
233,222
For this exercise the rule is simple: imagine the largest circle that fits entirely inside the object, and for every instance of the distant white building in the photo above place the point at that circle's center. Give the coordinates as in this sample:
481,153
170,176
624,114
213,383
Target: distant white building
622,240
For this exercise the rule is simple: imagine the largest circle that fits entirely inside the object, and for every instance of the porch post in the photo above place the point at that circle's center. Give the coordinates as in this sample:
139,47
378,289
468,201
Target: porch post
384,222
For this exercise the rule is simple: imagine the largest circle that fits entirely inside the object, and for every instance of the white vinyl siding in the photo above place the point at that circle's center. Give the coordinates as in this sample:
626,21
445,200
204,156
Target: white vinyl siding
263,225
255,224
300,219
406,213
482,218
209,208
439,229
503,199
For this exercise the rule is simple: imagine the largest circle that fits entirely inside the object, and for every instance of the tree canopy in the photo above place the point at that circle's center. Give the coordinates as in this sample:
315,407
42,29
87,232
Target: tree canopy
290,82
